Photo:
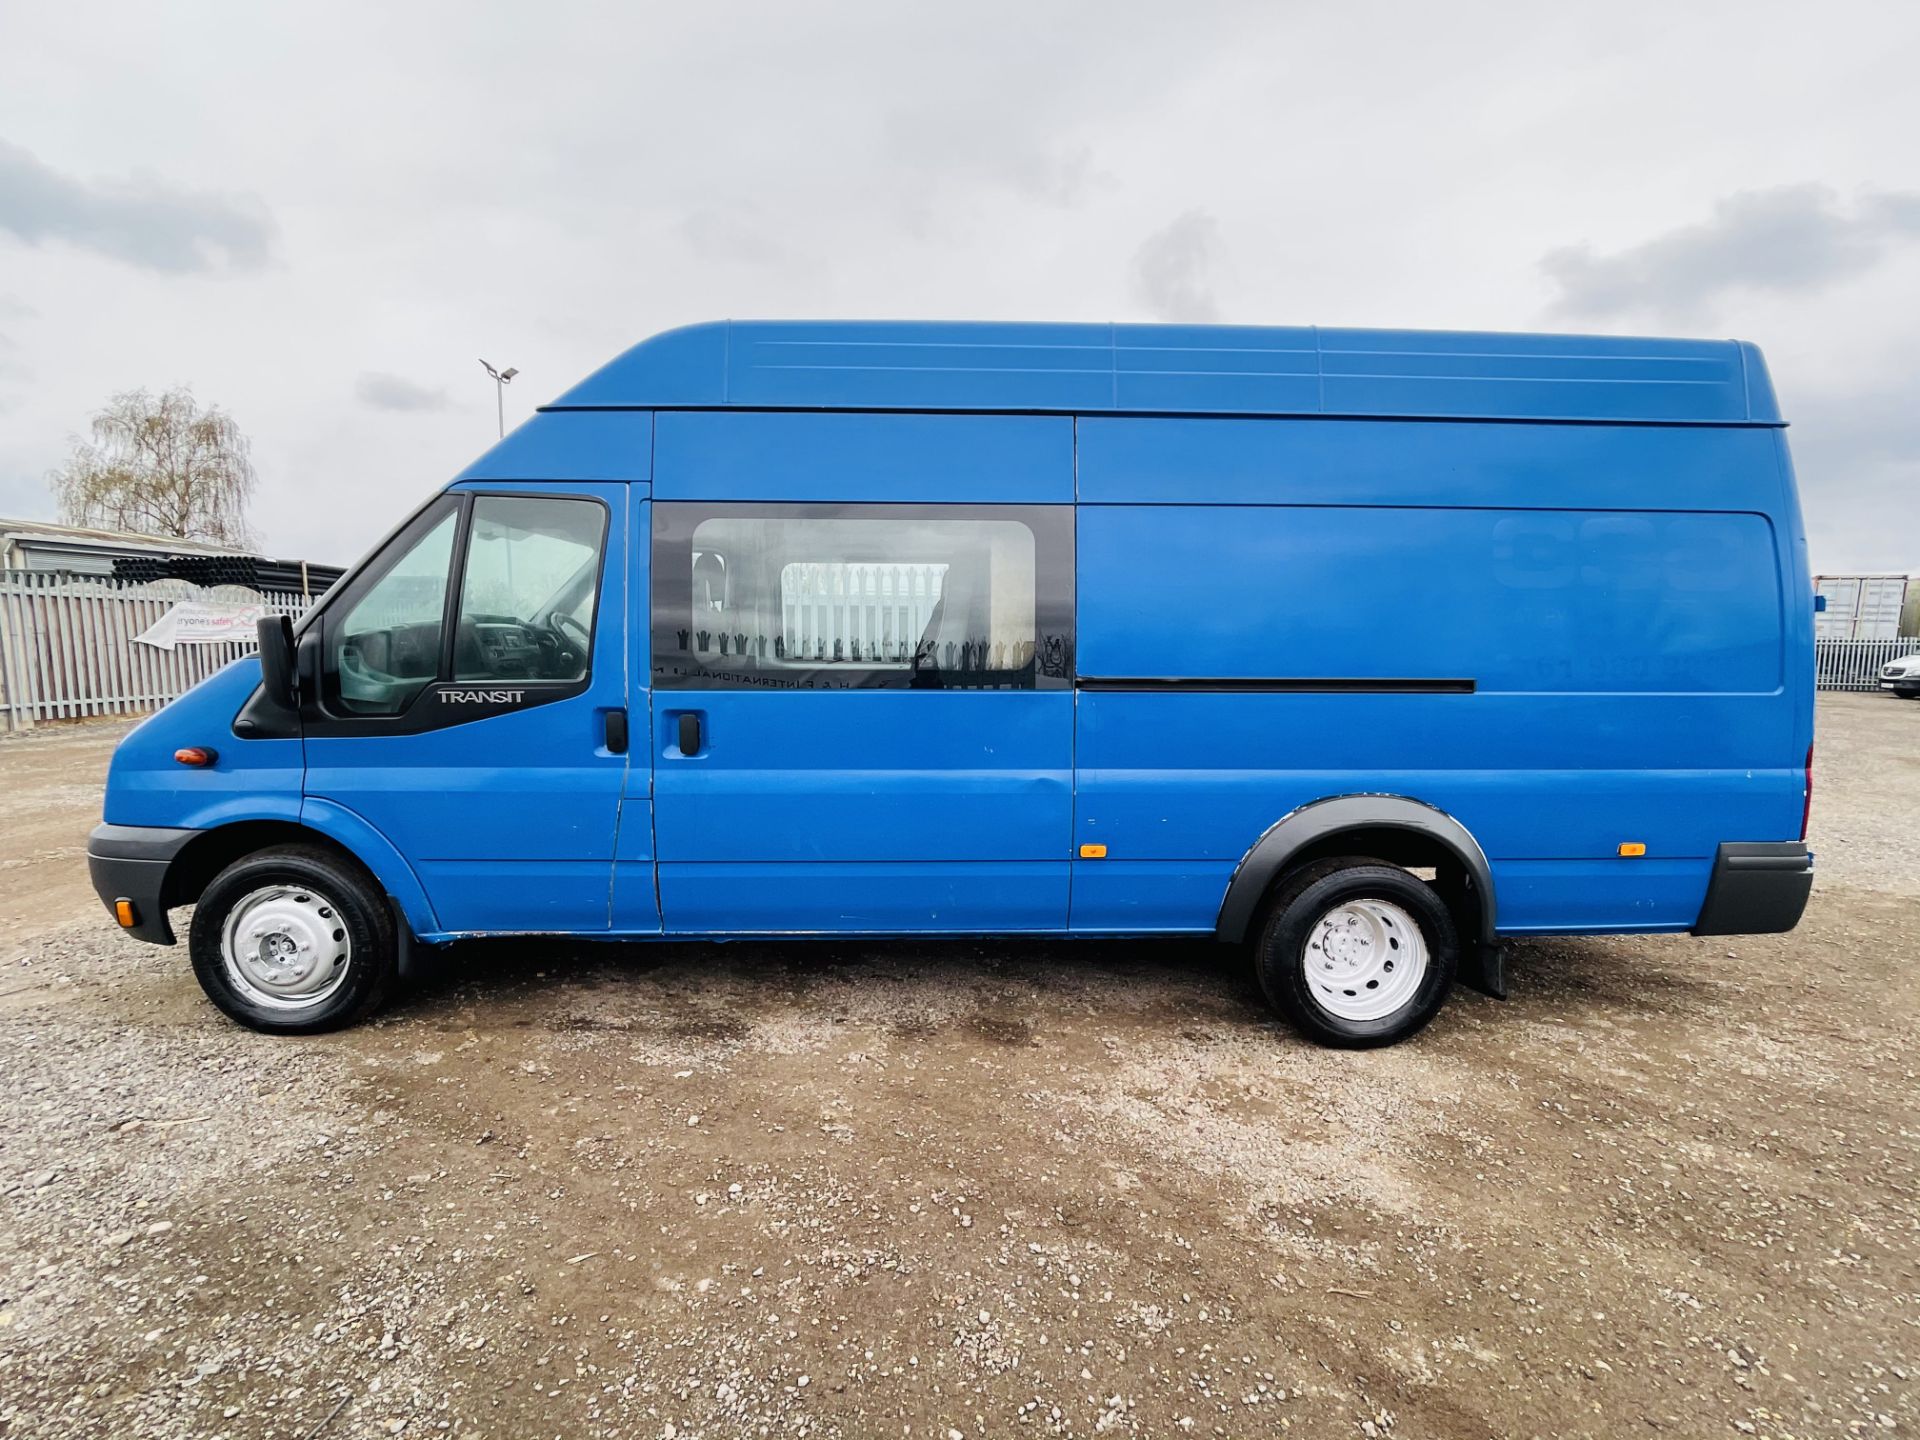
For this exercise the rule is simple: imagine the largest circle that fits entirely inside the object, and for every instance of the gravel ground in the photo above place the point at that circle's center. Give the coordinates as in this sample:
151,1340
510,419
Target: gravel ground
970,1189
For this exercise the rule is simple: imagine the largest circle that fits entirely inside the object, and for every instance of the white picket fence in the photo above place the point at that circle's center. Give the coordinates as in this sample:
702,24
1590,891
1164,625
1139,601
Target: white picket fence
1855,664
67,646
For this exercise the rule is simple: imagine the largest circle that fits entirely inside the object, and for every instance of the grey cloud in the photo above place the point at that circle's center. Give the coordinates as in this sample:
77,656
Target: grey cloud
956,147
138,220
12,371
394,392
1173,269
1856,452
1791,239
737,233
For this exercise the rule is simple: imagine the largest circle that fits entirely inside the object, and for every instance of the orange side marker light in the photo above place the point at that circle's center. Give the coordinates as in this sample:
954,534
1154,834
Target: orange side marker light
1632,847
196,755
1093,852
124,912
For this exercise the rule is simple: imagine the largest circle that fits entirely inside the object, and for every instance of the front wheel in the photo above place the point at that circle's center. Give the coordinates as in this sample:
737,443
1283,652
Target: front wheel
294,940
1356,952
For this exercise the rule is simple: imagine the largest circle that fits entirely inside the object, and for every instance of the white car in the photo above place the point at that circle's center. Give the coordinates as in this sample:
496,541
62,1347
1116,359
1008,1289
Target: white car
1902,677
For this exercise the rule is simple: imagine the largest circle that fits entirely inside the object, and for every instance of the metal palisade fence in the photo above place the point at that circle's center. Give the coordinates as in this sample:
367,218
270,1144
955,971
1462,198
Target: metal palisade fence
68,648
1855,664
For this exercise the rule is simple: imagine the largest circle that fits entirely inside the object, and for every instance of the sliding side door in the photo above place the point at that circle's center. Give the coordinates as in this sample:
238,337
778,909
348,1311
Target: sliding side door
863,713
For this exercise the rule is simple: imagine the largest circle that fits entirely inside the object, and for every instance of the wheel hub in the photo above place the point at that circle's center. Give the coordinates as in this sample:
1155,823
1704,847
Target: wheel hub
1364,959
285,947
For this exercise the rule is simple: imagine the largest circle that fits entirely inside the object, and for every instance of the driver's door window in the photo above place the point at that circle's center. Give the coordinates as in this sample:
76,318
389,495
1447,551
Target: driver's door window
527,598
386,649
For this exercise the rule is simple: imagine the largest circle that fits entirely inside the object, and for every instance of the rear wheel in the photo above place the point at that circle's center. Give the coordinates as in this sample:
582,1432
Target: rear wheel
294,940
1356,952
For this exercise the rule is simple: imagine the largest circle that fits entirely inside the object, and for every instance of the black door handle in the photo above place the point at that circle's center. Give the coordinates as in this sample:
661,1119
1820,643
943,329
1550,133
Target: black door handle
617,731
689,733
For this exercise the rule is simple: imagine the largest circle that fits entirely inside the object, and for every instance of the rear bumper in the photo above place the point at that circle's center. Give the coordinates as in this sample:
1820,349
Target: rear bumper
1757,888
130,862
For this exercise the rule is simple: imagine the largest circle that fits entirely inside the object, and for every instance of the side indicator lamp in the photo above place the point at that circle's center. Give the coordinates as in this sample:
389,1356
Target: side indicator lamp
124,912
197,756
1632,847
1093,852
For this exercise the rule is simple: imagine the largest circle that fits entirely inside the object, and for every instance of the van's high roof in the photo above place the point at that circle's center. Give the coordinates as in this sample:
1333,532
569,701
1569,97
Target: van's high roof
1184,369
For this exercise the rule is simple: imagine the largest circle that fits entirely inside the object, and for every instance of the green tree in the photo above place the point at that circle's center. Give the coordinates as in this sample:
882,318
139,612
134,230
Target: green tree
160,465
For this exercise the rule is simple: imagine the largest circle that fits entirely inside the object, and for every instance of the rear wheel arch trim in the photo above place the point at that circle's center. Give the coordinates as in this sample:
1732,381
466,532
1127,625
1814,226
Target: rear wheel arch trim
1323,819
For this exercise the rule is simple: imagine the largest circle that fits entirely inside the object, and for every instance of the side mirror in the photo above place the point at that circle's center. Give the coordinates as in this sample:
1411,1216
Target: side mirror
276,661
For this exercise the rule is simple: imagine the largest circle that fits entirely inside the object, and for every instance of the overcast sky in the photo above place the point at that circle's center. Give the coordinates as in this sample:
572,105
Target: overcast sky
319,216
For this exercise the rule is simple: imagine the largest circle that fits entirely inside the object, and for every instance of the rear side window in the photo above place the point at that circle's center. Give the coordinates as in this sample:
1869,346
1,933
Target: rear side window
793,597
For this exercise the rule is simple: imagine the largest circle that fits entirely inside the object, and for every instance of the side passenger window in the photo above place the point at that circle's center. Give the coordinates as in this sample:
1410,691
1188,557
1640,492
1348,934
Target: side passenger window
527,591
532,577
797,597
385,649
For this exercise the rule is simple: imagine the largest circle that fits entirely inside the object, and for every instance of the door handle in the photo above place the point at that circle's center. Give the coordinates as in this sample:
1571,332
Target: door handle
689,733
617,731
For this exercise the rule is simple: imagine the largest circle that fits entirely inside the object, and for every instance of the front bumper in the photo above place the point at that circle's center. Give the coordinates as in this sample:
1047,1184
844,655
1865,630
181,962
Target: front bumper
1758,888
130,862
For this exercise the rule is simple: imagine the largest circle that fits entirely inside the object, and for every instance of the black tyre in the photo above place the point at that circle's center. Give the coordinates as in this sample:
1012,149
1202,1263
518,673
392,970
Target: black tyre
294,940
1356,952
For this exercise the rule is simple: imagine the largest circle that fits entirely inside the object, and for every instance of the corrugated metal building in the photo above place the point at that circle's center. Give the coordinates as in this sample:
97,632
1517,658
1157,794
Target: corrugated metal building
46,547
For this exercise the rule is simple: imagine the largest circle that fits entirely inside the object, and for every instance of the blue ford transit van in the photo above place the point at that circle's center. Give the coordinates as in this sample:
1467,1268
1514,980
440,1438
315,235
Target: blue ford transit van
1370,650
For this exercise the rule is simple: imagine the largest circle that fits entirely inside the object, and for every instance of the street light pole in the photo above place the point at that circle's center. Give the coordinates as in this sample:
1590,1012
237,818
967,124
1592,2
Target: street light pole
501,379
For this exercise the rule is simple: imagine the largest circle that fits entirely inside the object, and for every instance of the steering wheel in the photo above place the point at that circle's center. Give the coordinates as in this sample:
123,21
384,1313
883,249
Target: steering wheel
567,627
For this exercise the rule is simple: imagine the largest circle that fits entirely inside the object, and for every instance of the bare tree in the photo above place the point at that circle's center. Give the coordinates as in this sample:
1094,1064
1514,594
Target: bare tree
161,465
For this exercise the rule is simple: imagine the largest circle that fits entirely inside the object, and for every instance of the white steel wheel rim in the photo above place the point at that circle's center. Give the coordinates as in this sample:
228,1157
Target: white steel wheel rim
285,947
1364,959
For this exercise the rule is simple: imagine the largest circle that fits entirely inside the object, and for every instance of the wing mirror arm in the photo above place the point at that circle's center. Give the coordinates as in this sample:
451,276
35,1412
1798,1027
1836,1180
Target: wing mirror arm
277,675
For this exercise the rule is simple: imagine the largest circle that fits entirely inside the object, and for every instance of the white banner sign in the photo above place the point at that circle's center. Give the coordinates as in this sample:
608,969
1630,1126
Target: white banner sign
198,622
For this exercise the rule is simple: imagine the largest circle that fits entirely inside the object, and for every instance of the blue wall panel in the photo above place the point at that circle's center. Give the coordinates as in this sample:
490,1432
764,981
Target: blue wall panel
1144,897
1202,369
892,898
754,455
583,445
1514,600
1381,462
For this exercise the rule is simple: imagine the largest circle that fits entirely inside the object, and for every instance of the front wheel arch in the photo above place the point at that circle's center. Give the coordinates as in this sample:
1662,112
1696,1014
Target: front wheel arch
212,851
343,833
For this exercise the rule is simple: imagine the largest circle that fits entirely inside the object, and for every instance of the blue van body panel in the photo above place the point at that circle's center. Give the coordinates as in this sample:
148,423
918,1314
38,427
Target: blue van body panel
1149,897
1445,465
1201,370
1603,602
1623,670
894,897
635,904
509,820
614,445
786,456
249,779
884,804
377,852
